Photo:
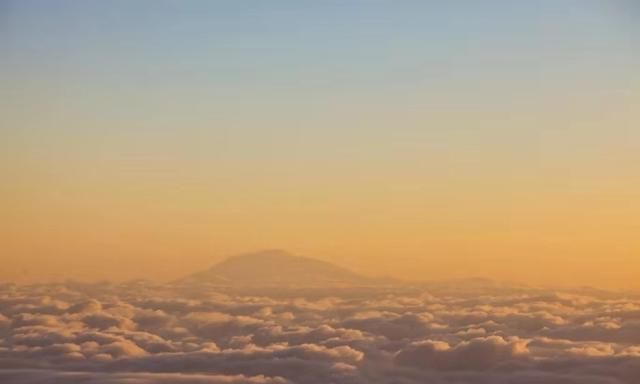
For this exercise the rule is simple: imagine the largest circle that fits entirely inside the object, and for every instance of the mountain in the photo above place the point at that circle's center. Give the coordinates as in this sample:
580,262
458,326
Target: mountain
277,268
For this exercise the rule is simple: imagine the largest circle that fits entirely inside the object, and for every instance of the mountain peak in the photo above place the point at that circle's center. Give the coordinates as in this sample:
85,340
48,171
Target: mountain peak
279,268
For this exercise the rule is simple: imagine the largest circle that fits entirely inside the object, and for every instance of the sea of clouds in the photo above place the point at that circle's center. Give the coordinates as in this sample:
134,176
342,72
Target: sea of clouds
145,332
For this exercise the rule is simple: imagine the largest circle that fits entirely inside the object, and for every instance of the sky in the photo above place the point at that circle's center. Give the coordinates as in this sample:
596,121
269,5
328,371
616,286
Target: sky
422,140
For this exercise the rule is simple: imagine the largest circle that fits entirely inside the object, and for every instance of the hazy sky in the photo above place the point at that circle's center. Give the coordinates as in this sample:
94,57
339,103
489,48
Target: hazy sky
412,138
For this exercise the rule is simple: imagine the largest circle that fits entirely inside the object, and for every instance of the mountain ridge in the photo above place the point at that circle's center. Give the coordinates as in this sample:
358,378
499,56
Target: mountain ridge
276,267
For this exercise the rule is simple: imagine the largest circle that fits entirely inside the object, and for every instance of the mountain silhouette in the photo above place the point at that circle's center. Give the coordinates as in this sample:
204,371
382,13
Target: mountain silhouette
278,268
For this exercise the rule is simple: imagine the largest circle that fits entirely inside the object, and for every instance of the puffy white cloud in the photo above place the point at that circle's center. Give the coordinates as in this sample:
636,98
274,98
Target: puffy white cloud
479,353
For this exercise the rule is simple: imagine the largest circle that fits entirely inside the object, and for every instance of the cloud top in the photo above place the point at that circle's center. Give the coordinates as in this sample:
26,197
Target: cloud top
175,333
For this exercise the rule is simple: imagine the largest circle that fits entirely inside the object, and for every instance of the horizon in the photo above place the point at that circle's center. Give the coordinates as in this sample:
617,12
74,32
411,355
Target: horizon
397,281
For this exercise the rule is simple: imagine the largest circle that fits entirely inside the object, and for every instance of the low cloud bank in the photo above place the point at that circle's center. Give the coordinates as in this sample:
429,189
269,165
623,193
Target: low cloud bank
150,333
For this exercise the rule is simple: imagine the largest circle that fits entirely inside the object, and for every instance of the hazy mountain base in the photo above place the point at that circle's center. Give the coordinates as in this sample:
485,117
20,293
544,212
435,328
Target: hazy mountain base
279,273
191,332
280,269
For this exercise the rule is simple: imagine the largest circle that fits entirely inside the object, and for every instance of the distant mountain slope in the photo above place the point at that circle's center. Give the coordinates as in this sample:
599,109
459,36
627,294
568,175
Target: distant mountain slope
277,268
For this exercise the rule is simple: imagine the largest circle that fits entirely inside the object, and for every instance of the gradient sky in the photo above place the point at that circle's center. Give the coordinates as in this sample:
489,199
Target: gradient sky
419,139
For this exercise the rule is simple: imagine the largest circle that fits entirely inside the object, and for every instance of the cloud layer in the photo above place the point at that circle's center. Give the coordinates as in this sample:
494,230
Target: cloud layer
150,333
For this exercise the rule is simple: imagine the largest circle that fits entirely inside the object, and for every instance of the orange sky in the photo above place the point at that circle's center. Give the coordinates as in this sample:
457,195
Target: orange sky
509,152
